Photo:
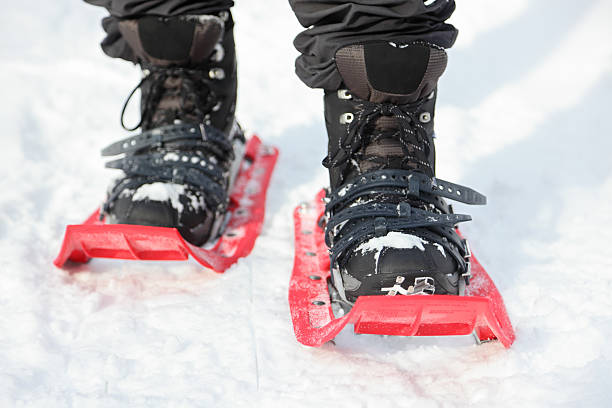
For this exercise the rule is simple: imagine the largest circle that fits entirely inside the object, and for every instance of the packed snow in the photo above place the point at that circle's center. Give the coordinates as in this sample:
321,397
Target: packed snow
440,248
392,239
523,116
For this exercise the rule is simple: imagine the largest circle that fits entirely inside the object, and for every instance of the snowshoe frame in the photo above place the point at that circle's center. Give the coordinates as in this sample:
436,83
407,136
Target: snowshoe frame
480,311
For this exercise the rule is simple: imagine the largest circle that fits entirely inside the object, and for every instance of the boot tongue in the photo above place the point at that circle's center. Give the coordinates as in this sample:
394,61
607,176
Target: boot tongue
385,72
167,41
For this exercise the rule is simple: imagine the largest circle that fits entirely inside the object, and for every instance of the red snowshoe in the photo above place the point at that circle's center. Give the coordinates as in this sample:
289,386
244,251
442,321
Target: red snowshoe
480,311
96,239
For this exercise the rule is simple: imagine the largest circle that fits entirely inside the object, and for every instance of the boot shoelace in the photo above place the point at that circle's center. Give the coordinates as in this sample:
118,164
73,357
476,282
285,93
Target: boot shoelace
361,132
194,86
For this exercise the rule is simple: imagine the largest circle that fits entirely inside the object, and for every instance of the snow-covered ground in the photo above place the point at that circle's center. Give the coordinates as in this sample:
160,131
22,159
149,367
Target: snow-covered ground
523,116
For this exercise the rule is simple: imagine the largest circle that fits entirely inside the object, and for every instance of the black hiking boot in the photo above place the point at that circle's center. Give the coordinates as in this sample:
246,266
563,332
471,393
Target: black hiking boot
179,170
388,228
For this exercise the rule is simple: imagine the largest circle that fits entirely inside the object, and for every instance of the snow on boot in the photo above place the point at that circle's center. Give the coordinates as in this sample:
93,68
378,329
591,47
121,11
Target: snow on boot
178,171
388,227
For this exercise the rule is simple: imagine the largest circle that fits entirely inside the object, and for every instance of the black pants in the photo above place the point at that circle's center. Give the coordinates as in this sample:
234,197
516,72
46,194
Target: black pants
331,24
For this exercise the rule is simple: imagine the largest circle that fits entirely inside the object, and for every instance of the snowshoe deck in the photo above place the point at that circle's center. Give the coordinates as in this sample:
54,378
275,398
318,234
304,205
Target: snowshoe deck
481,311
95,239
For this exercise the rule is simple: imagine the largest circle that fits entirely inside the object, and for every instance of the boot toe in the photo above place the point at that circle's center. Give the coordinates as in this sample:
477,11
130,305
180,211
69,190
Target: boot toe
192,219
145,212
368,272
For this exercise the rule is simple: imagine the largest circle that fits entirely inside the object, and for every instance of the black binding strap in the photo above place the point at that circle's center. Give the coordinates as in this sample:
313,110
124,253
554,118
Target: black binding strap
165,164
380,226
413,182
401,215
170,133
378,219
138,164
377,225
181,174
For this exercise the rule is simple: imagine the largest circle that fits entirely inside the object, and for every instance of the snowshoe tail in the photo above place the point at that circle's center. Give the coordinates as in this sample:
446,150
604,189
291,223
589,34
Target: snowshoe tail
95,239
481,311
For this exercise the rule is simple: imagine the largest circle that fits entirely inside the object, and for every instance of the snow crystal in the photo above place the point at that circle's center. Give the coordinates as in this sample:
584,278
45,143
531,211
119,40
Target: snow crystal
360,201
393,239
126,193
440,248
196,202
344,189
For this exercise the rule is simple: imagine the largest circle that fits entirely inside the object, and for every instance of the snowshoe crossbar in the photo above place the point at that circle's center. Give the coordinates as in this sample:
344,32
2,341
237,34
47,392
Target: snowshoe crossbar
481,311
96,239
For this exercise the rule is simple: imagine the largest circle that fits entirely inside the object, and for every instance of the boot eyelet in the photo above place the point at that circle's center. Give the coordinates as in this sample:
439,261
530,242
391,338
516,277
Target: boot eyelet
216,107
346,118
344,94
425,117
216,73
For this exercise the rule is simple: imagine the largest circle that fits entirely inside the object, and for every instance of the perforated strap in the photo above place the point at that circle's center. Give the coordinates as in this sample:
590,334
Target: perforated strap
169,133
131,164
412,182
175,172
380,226
387,213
